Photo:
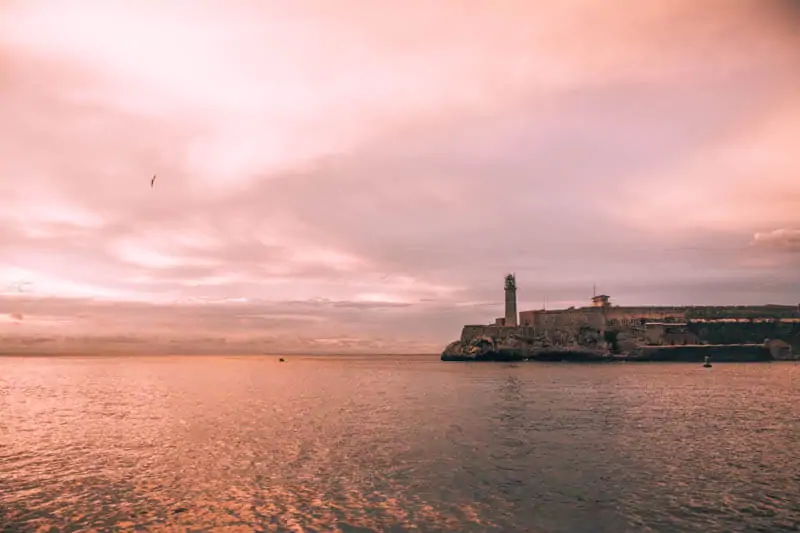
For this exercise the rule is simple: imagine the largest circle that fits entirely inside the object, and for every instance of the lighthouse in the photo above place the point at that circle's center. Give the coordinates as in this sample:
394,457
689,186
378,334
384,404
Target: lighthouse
511,301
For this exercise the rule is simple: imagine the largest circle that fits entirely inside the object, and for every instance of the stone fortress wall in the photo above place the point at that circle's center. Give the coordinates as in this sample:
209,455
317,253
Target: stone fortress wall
631,316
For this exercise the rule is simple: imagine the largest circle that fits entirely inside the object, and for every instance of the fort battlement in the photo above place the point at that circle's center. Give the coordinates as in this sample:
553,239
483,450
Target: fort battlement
642,314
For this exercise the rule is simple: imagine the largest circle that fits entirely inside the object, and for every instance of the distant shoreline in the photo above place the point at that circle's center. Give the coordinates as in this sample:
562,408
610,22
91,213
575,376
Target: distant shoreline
214,354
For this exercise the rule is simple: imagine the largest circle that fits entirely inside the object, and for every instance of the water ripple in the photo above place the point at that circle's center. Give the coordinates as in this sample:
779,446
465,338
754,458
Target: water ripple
388,444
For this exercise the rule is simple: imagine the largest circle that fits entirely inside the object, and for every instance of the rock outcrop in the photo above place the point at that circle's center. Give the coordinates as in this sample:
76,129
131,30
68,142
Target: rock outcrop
515,344
485,348
586,344
780,350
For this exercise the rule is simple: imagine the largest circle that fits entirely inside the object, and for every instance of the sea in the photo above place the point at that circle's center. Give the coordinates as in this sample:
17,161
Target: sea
396,444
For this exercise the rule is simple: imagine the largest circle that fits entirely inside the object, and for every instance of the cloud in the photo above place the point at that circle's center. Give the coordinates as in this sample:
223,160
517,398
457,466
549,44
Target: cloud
783,239
369,174
289,326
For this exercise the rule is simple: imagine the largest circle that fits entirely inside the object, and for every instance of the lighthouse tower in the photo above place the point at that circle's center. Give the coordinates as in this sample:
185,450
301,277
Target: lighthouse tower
511,301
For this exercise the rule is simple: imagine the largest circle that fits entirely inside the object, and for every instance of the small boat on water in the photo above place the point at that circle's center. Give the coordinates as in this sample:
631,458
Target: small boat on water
706,364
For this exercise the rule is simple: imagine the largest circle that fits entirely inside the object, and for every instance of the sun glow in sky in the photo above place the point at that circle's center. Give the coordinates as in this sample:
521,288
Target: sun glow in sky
359,176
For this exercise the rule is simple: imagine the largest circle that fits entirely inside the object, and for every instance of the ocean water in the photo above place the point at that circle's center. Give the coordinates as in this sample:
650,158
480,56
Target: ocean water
359,444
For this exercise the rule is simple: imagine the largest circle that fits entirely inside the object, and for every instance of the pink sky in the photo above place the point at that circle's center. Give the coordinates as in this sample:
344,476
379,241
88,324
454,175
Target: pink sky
359,176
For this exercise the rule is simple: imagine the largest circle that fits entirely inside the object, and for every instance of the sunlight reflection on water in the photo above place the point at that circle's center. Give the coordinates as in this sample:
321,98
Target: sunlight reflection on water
396,444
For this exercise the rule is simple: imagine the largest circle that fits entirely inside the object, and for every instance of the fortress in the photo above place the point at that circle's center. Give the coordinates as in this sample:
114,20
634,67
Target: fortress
603,330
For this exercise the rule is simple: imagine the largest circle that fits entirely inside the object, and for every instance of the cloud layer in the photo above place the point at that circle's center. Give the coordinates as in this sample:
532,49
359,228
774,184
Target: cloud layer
361,178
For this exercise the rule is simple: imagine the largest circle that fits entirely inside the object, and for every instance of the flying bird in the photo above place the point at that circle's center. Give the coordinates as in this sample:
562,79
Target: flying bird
152,181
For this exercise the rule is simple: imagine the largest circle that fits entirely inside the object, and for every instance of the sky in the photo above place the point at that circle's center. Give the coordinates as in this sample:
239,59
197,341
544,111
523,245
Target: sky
359,176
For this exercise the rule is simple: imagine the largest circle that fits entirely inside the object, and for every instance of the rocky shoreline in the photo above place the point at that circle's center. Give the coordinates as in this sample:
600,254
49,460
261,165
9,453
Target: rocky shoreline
455,352
484,350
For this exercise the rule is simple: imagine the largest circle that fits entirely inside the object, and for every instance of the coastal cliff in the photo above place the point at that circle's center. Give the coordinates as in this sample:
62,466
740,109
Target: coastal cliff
586,344
498,343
